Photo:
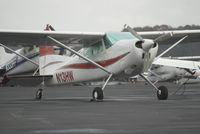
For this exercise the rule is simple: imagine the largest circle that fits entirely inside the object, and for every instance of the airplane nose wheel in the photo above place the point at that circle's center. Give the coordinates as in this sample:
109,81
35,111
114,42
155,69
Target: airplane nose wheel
97,94
162,93
39,94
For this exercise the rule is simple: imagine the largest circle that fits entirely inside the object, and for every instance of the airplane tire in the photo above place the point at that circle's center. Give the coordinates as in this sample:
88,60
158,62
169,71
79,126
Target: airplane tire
39,94
97,94
162,93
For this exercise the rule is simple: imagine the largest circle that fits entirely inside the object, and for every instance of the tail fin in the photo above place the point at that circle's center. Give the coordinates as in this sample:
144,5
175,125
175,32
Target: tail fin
49,28
44,52
45,58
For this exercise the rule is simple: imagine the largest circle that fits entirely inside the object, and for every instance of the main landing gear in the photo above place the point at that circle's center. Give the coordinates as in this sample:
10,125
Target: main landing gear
97,94
39,93
162,91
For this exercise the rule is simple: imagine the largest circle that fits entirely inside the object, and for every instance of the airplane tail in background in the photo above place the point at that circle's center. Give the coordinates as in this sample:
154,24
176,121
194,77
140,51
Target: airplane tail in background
4,57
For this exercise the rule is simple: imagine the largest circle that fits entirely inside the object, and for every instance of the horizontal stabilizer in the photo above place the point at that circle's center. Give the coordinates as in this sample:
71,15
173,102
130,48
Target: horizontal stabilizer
24,80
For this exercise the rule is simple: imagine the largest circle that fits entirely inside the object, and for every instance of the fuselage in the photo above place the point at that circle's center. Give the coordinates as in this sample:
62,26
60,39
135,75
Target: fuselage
123,56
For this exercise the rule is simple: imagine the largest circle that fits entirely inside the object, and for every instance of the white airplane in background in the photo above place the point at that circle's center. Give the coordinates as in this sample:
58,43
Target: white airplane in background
162,73
159,73
192,69
168,73
15,64
18,62
103,55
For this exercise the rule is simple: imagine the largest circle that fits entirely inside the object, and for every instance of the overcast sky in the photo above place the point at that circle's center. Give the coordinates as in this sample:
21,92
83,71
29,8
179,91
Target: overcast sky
96,15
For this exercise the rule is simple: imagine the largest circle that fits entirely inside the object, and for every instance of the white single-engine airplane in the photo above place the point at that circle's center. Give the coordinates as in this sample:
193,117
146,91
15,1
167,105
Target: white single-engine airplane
103,55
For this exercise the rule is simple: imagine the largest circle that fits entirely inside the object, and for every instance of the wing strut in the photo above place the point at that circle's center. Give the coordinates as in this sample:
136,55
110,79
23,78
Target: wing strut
19,54
171,47
78,54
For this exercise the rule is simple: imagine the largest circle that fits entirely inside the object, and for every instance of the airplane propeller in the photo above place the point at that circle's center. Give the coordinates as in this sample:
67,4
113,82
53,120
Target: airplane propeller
146,45
163,37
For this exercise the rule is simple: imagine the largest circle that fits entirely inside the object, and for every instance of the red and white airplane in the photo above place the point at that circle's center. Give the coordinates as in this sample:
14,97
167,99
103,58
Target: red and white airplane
103,55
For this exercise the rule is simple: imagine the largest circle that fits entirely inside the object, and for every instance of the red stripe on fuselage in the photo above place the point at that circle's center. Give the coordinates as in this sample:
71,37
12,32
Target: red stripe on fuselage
52,63
91,66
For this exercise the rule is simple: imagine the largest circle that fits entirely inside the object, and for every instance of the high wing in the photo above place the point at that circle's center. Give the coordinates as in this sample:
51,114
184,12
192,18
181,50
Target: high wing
193,35
177,63
29,38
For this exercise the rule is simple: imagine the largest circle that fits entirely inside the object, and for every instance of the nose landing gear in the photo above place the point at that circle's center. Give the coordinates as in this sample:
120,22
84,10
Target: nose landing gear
162,93
38,95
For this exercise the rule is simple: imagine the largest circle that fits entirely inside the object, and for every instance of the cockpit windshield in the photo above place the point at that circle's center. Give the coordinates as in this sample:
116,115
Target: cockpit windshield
112,37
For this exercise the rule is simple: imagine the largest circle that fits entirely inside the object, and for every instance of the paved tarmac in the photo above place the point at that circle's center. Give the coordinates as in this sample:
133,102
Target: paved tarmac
127,109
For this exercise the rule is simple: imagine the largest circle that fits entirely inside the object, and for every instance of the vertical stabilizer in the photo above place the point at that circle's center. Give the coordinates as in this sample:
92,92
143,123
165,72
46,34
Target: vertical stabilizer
44,60
44,54
46,50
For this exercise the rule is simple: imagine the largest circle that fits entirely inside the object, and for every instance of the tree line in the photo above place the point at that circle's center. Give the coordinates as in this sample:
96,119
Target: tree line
165,27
